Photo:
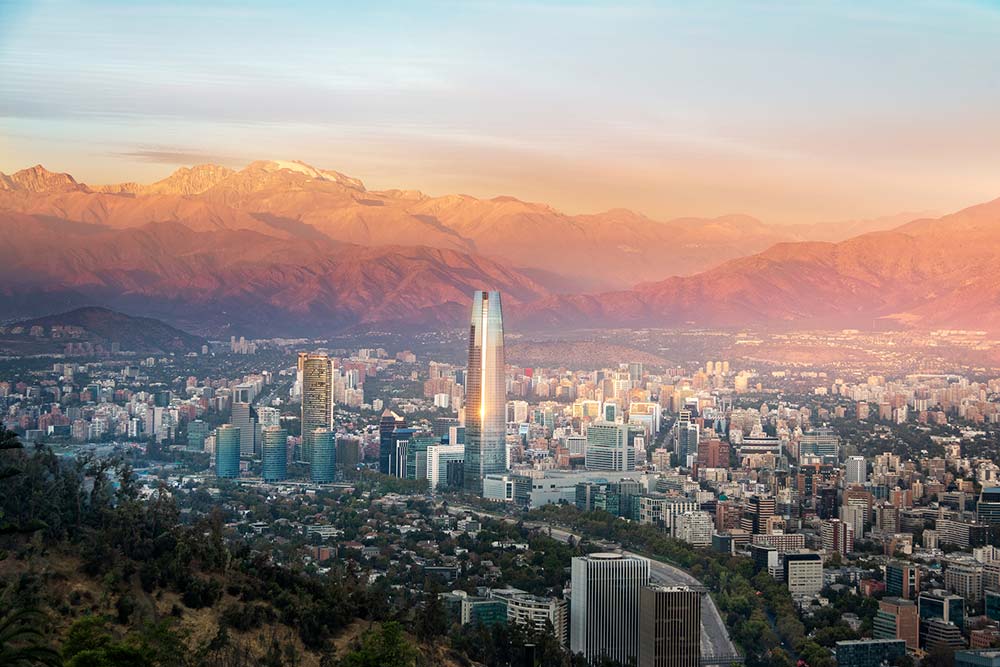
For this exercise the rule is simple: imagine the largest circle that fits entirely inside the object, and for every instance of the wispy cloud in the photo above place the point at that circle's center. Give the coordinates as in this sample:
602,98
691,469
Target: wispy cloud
180,156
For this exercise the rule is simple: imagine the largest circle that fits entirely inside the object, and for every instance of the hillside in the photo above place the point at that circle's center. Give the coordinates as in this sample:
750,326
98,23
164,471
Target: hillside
101,326
211,281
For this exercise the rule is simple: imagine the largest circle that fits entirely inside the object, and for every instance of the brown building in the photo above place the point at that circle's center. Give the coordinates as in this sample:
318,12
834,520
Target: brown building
713,453
669,627
897,619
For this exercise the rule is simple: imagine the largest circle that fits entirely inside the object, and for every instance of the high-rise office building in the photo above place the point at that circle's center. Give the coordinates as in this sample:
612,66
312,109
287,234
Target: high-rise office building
398,447
317,399
197,431
756,513
939,604
856,470
669,627
686,441
274,454
348,456
438,458
804,573
608,447
227,451
821,442
324,456
244,417
604,611
988,505
485,393
387,425
897,619
902,580
837,536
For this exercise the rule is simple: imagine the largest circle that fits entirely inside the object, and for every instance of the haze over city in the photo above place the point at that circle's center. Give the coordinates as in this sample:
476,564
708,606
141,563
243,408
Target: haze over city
547,334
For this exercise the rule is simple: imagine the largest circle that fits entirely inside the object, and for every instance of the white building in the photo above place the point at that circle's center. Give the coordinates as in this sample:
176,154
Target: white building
604,616
857,470
608,447
695,528
438,457
804,573
537,612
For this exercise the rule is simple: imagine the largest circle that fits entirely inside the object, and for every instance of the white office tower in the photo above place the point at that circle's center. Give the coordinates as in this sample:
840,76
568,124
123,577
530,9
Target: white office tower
604,610
857,470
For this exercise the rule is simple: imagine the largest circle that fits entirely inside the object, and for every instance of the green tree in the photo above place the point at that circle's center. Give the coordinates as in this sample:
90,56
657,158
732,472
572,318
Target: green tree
22,643
386,647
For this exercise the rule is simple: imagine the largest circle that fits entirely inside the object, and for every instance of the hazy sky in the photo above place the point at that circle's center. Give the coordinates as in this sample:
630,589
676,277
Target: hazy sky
790,111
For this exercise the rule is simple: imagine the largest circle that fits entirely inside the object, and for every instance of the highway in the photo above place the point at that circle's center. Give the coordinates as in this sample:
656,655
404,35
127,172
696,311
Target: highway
715,641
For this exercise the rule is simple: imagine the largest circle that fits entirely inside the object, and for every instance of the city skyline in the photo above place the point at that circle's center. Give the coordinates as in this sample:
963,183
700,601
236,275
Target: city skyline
558,333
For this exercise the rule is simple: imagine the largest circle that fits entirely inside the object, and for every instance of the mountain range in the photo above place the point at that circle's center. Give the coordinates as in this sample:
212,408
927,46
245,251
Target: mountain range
283,247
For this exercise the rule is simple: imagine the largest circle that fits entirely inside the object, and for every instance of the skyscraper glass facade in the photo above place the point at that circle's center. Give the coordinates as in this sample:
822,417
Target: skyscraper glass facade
486,393
317,398
227,451
324,456
275,454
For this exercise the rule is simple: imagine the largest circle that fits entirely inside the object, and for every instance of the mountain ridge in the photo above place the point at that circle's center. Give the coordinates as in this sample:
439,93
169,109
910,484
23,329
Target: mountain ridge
281,246
613,249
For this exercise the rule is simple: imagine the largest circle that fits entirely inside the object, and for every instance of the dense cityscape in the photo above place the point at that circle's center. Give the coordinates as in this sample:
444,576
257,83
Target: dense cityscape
558,333
707,513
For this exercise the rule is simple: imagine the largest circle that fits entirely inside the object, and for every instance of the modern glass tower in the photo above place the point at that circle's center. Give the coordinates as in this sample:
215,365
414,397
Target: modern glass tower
485,393
324,456
275,453
227,451
317,398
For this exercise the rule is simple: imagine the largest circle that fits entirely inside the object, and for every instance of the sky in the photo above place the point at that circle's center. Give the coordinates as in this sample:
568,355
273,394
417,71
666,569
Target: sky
789,111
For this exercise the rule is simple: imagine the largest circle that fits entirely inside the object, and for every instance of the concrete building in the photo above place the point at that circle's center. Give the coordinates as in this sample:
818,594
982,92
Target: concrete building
837,536
669,627
695,528
604,616
537,612
897,618
965,580
804,573
438,457
608,447
856,470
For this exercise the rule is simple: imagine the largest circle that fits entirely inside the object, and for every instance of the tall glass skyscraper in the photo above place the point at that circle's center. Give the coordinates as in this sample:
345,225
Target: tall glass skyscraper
227,451
485,393
324,456
317,398
275,453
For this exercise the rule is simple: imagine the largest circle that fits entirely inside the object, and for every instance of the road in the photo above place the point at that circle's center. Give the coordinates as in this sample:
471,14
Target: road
715,641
